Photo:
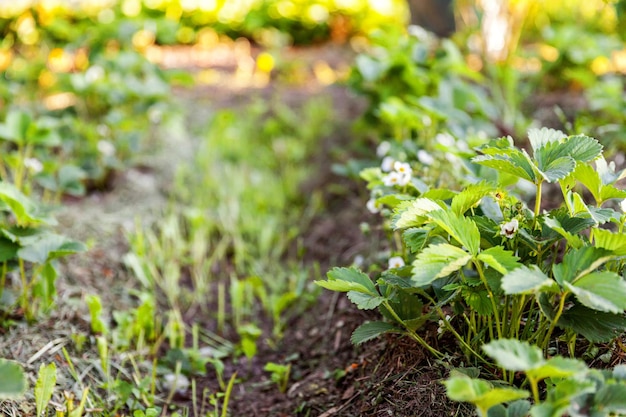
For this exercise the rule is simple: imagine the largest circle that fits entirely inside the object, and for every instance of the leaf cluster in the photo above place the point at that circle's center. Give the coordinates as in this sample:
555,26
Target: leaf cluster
502,269
570,385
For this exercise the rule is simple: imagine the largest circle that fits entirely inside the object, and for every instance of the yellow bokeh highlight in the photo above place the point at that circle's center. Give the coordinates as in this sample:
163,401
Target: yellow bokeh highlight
81,59
27,29
6,57
185,35
174,11
474,61
207,38
324,73
548,53
317,13
60,60
619,60
265,62
59,101
601,65
131,8
47,79
142,39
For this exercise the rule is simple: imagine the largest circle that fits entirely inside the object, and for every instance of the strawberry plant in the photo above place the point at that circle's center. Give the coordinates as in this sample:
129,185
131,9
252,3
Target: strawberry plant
28,250
571,387
484,265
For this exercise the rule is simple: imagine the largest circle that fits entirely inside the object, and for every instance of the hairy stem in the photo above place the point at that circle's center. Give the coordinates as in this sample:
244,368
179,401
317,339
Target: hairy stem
496,314
546,339
412,333
538,200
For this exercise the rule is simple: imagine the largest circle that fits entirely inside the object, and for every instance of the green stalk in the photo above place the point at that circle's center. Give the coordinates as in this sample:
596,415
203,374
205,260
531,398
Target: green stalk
538,201
412,333
457,335
229,390
506,323
3,278
483,279
516,315
546,339
534,388
24,297
3,171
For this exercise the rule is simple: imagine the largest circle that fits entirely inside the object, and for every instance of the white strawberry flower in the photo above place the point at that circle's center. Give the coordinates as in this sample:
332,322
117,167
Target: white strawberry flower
383,149
34,165
387,164
404,179
396,262
391,179
622,205
94,73
372,206
425,158
402,168
509,229
106,148
445,139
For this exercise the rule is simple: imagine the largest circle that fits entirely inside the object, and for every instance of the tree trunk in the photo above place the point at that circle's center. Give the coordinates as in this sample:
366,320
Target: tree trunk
436,16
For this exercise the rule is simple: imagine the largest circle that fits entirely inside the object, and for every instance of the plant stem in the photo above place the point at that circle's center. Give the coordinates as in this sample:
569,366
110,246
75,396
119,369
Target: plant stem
25,289
538,201
457,335
481,274
3,278
546,339
412,333
534,388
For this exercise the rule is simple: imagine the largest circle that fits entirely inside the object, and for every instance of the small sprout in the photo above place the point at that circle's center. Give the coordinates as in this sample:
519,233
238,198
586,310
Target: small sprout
509,229
396,262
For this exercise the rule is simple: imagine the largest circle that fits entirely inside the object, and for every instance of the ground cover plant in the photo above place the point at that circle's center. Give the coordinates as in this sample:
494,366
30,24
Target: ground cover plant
145,22
474,250
159,256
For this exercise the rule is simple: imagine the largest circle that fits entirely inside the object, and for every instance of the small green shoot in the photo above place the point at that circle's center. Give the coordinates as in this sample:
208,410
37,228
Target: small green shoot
44,387
279,374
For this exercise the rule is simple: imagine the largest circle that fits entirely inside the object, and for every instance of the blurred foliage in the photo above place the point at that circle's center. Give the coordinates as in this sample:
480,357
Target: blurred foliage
182,21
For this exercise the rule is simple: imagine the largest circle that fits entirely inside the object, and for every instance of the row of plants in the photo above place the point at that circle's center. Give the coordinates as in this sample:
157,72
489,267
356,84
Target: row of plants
64,131
186,22
239,263
501,253
70,120
199,256
79,103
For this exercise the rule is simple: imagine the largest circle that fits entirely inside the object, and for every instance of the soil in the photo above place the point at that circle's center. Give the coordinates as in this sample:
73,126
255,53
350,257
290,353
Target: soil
329,375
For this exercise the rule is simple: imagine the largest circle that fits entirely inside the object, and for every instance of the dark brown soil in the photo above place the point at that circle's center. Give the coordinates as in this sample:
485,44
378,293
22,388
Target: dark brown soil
329,376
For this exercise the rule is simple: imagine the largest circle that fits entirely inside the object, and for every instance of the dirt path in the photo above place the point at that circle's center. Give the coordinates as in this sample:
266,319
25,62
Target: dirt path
329,376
